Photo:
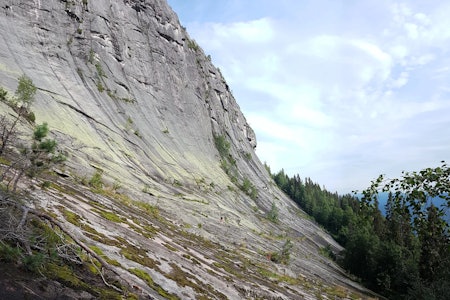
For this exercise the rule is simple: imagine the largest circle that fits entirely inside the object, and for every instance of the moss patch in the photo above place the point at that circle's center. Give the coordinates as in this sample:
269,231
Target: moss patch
110,216
148,279
139,255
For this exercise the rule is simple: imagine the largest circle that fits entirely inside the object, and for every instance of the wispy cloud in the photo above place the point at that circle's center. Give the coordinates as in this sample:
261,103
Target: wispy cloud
339,93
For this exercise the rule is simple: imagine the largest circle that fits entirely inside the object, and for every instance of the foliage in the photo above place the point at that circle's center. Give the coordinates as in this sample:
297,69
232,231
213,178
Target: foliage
3,94
249,189
286,251
149,280
42,153
332,211
272,215
283,255
9,253
34,262
40,132
31,117
96,181
414,190
100,71
91,57
192,44
403,255
222,145
100,86
25,91
228,164
415,245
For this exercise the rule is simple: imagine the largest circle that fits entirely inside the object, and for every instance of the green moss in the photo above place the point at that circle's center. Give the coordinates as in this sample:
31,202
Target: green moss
149,280
57,187
52,236
99,252
138,255
147,233
336,291
64,274
4,161
150,229
230,268
94,268
72,217
150,209
132,296
67,275
171,248
109,216
183,278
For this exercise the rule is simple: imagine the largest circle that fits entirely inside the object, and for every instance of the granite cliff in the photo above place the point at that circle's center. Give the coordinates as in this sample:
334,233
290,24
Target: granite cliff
183,208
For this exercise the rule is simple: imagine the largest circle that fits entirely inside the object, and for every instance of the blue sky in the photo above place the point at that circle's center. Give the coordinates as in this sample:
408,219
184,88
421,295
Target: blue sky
338,91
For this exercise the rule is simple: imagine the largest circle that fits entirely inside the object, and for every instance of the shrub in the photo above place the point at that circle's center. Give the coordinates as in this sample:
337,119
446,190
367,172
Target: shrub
3,95
272,215
34,262
249,189
40,132
286,251
25,91
100,87
222,145
9,253
100,71
31,117
282,256
192,44
96,180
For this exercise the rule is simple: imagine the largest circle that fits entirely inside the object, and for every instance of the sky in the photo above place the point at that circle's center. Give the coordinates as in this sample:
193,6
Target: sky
339,91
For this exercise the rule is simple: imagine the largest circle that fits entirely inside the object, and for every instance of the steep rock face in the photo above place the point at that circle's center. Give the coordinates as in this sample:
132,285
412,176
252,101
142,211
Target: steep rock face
126,91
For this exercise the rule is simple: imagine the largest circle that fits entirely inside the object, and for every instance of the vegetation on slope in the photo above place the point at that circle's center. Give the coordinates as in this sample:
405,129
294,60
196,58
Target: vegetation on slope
38,244
403,255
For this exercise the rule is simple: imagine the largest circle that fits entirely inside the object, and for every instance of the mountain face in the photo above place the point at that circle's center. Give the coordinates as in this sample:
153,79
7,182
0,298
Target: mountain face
133,100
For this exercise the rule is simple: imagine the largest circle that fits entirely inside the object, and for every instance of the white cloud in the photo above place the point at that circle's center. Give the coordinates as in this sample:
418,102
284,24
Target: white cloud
354,102
401,80
255,31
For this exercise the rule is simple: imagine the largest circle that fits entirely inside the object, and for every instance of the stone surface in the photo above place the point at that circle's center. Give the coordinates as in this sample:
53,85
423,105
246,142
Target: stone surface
125,90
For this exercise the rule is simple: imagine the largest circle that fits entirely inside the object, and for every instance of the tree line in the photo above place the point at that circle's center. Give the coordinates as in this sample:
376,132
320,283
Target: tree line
404,254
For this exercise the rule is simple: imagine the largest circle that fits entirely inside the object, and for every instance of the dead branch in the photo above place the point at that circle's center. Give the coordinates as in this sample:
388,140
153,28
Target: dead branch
58,224
103,278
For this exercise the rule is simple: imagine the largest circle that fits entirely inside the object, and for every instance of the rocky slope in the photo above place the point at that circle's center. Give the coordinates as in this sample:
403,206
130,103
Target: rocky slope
129,95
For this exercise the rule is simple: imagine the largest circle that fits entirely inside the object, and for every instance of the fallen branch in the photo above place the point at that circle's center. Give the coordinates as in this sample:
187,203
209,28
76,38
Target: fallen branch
28,210
74,238
103,278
